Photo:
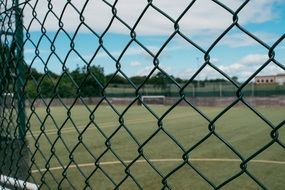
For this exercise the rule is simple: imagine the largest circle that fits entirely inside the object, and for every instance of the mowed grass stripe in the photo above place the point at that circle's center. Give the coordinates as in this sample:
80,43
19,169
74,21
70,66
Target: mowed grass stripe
240,127
104,125
161,160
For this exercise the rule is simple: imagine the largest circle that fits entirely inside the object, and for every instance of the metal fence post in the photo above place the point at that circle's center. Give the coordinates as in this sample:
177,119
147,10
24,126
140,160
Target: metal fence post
20,94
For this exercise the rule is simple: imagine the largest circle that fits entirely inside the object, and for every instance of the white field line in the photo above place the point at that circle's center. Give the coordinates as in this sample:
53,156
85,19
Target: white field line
160,160
105,125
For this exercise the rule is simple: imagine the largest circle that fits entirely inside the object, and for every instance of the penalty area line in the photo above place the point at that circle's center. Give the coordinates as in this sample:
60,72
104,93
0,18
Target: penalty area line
159,160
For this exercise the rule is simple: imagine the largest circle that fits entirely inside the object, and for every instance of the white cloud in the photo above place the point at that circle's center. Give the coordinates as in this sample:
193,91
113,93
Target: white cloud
253,59
271,69
258,11
240,39
214,60
130,51
167,69
247,65
203,16
186,73
135,63
145,71
243,68
207,73
133,51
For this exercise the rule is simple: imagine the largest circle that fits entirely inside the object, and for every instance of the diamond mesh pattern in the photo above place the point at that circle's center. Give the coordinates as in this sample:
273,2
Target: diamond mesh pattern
45,142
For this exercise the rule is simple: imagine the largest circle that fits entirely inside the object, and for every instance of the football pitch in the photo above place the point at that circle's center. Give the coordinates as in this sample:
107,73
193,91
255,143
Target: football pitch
106,147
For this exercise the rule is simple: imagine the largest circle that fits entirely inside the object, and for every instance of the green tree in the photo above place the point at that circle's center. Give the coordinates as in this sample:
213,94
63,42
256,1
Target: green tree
159,80
93,80
31,89
47,87
138,79
77,75
89,80
66,88
118,79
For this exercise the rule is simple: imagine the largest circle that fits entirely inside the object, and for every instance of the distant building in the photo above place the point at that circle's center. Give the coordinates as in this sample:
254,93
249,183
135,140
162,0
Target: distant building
270,79
280,79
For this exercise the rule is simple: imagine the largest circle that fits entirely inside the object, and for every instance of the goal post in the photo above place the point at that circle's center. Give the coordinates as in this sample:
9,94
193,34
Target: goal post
158,100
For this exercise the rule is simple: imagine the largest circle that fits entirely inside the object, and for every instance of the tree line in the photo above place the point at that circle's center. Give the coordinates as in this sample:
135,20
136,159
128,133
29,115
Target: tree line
90,82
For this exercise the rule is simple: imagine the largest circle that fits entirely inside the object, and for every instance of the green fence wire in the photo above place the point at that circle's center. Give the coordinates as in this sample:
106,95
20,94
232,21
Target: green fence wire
30,152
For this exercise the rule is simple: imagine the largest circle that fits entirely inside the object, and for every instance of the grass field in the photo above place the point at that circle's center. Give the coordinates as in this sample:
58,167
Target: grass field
239,126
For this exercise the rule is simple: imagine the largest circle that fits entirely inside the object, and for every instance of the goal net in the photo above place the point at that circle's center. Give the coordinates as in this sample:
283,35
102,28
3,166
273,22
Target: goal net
160,100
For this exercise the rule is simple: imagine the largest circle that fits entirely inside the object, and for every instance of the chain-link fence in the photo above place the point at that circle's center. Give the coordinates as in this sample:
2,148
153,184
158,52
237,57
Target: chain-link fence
53,50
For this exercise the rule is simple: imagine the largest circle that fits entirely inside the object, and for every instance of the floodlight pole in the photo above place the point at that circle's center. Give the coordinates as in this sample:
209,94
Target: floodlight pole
20,94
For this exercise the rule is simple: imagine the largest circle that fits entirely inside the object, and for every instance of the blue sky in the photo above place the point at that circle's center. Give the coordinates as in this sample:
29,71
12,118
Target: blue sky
236,54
